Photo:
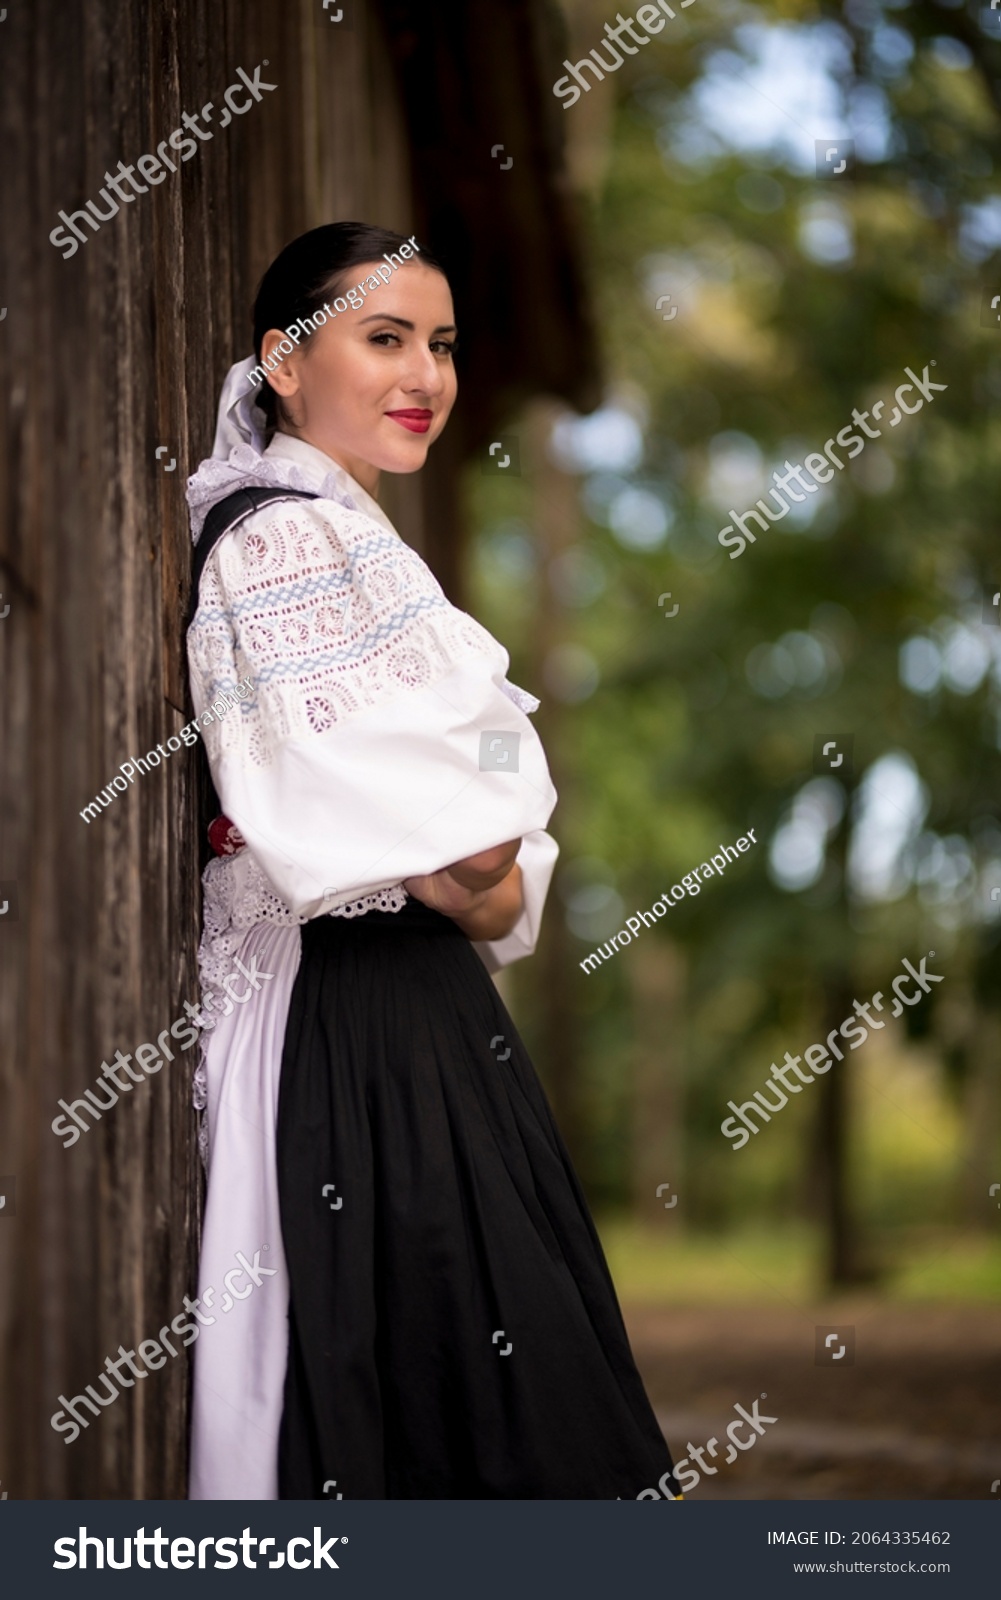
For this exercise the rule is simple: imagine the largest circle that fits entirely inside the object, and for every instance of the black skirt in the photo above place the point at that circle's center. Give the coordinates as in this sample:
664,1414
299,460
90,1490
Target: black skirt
453,1329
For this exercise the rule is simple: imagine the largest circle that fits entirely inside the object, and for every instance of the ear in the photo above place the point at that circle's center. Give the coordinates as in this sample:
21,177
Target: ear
283,379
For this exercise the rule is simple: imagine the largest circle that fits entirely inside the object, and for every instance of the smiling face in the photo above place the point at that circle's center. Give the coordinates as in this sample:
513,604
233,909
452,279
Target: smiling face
373,388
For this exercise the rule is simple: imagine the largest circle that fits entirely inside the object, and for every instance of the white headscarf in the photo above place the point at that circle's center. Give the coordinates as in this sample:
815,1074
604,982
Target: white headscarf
240,457
240,419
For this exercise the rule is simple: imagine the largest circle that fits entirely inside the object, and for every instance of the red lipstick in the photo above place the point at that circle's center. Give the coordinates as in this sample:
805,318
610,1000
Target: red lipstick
416,421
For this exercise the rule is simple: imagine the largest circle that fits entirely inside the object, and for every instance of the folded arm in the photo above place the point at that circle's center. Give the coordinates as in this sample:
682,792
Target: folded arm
483,893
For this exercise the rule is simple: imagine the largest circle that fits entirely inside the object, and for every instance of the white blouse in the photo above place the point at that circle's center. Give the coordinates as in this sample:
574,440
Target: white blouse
362,756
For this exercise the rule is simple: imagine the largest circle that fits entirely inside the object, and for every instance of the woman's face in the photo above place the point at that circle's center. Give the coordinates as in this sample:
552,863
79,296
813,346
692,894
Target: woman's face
373,387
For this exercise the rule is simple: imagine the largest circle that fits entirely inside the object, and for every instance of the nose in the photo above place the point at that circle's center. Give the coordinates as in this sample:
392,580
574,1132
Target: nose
425,375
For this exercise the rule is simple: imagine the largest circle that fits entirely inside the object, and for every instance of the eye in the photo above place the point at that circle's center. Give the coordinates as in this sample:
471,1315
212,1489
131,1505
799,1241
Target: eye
382,338
448,345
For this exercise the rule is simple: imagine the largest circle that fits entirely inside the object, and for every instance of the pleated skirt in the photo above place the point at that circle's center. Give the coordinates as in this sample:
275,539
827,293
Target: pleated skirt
453,1328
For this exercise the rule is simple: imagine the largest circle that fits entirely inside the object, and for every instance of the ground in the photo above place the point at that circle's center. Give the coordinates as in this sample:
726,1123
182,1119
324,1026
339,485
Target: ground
916,1417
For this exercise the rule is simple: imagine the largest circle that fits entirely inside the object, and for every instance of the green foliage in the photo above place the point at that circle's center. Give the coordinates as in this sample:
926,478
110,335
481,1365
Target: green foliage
781,333
756,1266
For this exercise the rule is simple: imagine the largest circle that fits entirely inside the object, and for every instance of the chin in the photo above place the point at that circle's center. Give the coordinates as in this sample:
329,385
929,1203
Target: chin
413,462
410,458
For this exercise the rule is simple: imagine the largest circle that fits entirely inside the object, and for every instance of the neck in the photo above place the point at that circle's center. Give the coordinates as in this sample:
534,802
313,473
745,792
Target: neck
363,472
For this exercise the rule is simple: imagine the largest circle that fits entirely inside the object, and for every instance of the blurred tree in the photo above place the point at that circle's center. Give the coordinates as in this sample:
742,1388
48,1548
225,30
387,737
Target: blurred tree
754,306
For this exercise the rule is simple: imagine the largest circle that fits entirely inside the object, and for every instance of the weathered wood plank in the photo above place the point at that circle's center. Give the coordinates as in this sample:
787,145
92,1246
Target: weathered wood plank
104,357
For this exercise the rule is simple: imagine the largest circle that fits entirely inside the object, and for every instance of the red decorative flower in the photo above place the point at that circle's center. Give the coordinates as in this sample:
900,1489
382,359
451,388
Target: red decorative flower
225,838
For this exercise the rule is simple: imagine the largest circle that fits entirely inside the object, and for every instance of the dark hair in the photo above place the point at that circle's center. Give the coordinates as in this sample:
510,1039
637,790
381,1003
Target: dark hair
308,272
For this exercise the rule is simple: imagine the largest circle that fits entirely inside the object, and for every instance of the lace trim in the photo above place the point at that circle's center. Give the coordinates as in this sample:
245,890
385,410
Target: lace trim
245,469
236,897
523,700
200,1100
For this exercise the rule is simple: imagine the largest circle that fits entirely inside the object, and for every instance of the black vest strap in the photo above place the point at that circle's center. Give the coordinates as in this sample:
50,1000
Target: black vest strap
225,515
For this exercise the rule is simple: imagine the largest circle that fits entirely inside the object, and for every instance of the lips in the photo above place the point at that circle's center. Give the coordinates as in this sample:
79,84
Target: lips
416,421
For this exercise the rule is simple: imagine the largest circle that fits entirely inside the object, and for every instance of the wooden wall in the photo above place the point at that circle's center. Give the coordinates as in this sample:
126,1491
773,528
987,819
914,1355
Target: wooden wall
105,357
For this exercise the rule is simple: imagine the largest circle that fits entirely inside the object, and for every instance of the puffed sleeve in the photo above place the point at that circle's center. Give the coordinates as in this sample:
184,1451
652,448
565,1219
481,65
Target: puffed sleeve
378,738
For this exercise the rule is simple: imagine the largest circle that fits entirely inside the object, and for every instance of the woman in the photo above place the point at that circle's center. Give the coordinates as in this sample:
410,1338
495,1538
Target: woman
426,1309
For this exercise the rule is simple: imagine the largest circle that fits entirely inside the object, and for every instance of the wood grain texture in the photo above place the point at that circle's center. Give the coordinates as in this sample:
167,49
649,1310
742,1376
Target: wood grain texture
105,357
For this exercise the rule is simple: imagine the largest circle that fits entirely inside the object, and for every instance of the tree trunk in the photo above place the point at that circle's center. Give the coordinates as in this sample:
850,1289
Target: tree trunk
555,519
981,1123
842,1248
658,974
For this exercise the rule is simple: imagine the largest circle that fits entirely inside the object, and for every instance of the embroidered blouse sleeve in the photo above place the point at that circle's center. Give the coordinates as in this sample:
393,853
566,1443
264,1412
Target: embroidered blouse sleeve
380,738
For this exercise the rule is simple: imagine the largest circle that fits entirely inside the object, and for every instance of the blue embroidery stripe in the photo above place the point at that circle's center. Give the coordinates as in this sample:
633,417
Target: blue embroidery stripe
291,666
376,635
289,594
265,600
378,539
375,545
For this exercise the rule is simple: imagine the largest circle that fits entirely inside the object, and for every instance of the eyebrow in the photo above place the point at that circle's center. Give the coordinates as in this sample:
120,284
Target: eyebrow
401,322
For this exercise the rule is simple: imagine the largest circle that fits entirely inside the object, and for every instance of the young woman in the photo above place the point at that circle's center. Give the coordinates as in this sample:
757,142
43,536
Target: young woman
401,1292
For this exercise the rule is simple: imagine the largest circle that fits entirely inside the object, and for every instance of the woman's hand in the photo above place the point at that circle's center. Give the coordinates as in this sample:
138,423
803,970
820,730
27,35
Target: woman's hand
487,868
482,893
